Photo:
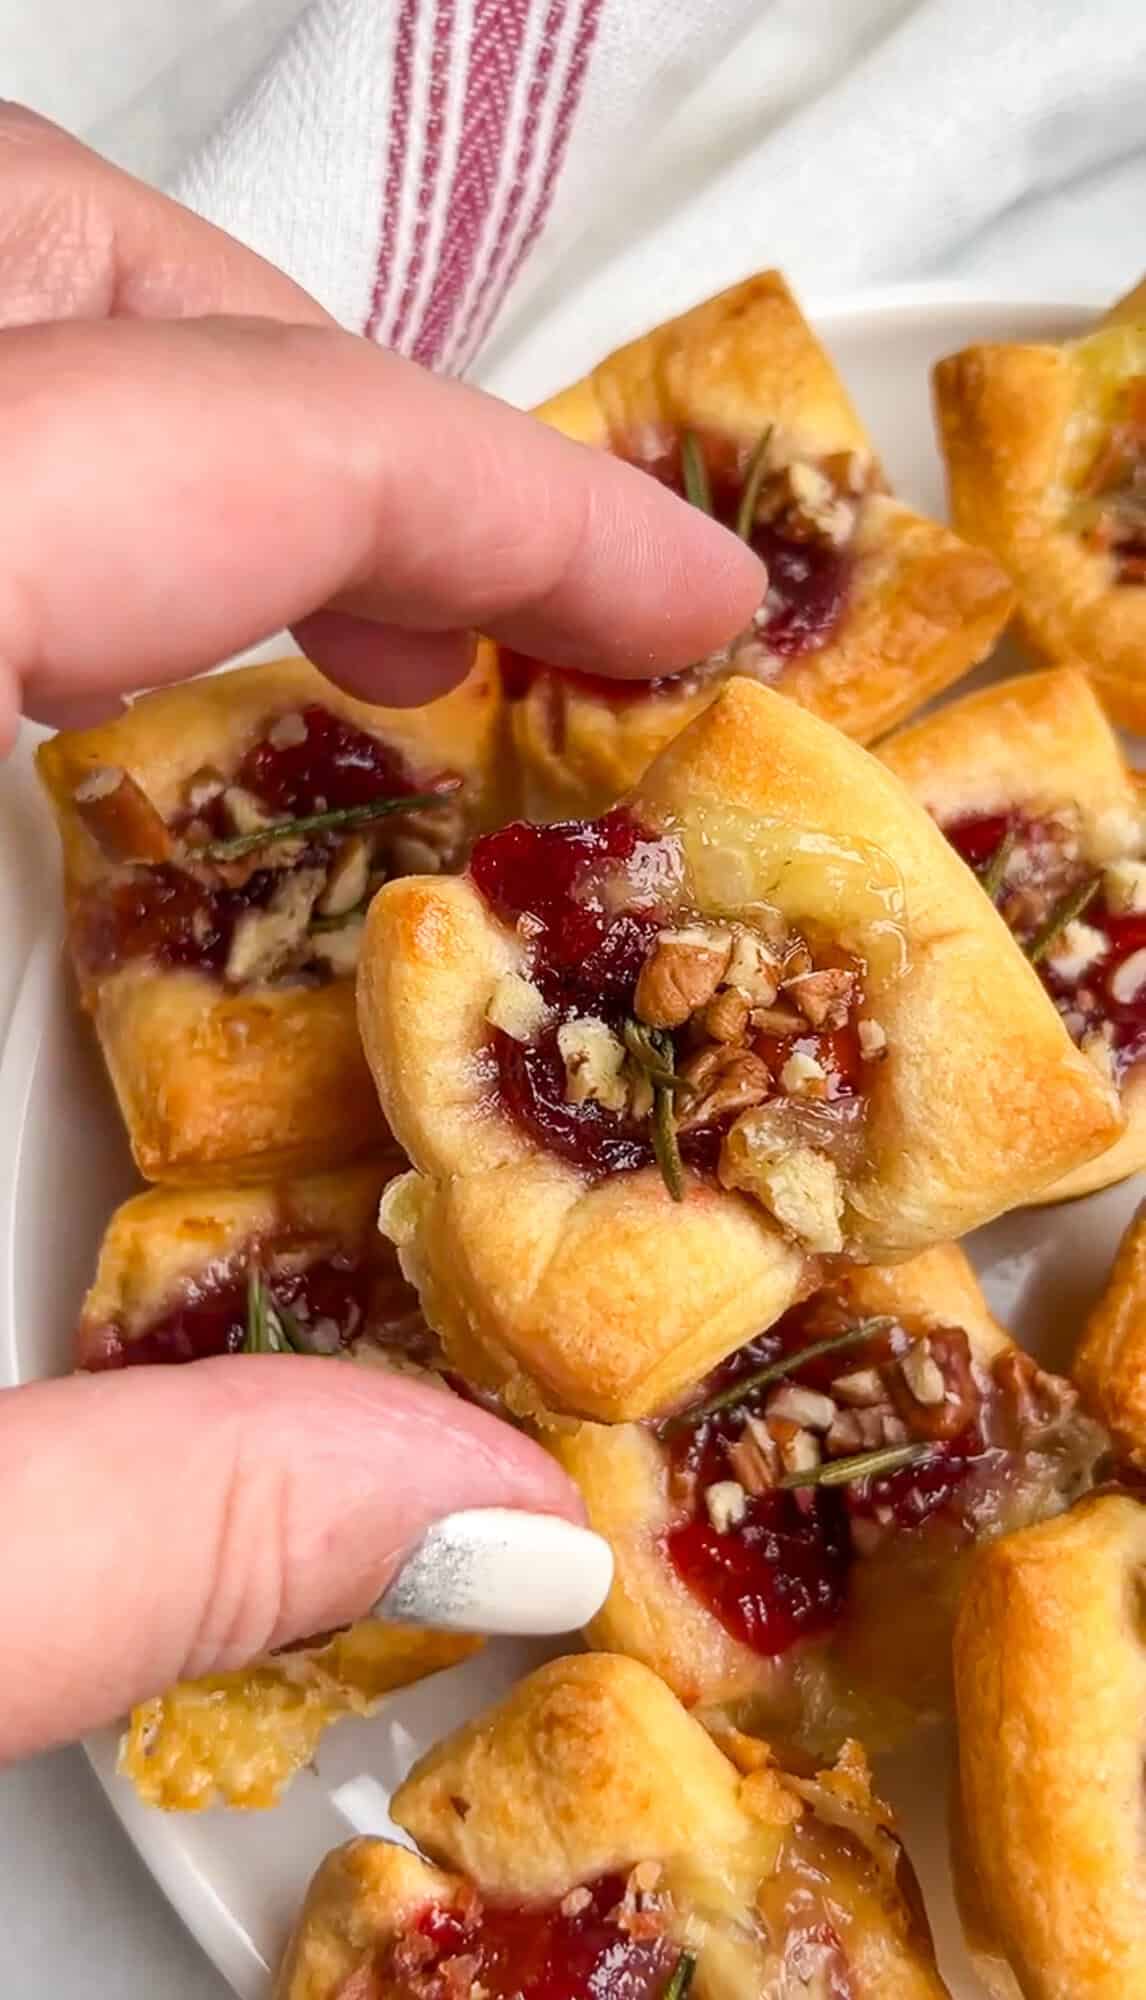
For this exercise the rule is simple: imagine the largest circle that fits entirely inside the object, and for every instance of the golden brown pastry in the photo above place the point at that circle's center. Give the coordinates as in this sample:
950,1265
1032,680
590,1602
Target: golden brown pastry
870,608
1029,783
1050,1681
186,1273
653,1069
1110,1365
587,1837
238,1739
1046,463
214,955
791,1541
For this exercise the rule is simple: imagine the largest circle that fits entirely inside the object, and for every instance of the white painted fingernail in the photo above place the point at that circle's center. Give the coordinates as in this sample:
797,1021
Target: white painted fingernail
495,1569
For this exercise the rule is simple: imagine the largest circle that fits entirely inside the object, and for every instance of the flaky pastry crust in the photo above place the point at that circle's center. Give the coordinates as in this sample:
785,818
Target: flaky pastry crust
885,1667
1021,428
610,1296
1110,1364
1037,743
923,606
1050,1680
590,1769
258,1081
238,1738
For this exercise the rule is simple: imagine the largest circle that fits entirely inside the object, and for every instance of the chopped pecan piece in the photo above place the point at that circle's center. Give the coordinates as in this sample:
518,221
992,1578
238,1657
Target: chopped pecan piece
752,1457
753,968
594,1060
265,941
121,818
823,997
680,975
348,878
726,1080
726,1015
950,1355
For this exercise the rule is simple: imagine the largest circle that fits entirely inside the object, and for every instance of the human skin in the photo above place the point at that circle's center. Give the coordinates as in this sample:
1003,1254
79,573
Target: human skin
193,457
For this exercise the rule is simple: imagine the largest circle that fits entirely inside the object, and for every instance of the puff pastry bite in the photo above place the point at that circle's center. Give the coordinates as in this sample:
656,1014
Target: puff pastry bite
587,1837
184,1274
870,608
221,841
792,1539
1046,462
1050,1678
1110,1364
1030,785
653,1069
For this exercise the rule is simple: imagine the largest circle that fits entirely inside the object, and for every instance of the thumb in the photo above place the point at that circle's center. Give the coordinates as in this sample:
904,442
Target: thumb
164,1523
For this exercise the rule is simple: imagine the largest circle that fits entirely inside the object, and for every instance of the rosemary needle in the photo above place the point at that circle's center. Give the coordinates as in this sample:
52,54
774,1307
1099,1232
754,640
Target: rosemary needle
728,1399
651,1050
339,818
665,1145
996,869
1064,912
677,1988
864,1465
694,473
753,481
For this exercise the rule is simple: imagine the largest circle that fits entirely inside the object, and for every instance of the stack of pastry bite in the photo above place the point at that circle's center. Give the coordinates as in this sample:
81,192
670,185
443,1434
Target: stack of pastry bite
672,1113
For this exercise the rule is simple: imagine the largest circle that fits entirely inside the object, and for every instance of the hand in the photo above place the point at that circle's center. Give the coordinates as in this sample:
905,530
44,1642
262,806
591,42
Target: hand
193,456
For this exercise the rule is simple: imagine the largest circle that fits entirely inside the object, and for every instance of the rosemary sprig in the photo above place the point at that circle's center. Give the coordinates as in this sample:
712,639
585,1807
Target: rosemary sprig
694,472
682,1972
753,481
1065,911
652,1050
996,869
341,817
666,1148
648,1047
865,1465
271,1328
788,1364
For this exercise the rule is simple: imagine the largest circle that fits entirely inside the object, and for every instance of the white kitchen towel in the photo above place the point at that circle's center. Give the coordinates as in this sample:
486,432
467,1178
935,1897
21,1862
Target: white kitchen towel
499,186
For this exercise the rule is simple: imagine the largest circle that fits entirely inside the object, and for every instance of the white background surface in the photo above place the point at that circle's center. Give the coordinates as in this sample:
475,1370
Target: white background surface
144,78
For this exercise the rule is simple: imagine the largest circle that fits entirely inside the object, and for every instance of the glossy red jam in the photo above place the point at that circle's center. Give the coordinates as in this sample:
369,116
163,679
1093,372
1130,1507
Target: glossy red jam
584,959
781,1575
334,1300
585,955
1085,1001
162,914
335,766
177,918
549,1951
808,582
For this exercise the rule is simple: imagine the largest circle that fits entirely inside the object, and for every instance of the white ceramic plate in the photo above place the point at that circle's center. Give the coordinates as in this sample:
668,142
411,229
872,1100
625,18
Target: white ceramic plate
237,1879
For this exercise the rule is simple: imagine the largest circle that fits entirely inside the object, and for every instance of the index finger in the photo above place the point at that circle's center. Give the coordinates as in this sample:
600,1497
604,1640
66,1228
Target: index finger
174,491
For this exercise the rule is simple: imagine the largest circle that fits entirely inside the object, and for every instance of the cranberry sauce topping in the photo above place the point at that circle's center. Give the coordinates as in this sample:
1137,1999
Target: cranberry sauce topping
803,525
772,1562
332,1300
1112,508
604,1942
264,913
334,765
593,902
1093,964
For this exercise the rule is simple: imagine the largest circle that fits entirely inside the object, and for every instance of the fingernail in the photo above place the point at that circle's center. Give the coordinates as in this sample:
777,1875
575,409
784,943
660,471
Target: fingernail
496,1569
